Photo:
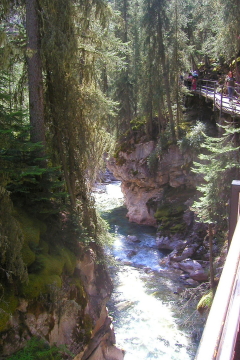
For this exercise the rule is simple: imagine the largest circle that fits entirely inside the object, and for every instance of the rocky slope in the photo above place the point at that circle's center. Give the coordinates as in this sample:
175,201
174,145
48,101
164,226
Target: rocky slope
63,302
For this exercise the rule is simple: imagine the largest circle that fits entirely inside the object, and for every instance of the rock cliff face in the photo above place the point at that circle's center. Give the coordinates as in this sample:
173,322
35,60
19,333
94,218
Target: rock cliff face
145,176
74,314
159,189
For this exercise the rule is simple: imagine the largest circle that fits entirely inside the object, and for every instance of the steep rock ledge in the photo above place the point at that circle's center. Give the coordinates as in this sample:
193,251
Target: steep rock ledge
143,182
62,307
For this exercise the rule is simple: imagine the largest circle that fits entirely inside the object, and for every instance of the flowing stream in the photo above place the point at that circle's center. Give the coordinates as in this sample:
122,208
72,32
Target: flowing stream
149,318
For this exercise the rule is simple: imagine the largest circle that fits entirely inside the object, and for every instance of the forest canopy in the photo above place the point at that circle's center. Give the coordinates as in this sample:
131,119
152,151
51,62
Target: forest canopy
75,76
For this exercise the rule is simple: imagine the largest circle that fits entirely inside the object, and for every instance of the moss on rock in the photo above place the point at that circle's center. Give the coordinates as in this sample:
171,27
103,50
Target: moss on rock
40,284
80,296
8,305
32,228
47,270
169,215
205,302
28,255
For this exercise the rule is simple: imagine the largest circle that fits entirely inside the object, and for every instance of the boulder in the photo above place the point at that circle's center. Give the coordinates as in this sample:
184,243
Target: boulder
178,255
133,238
131,253
189,265
199,275
191,282
169,243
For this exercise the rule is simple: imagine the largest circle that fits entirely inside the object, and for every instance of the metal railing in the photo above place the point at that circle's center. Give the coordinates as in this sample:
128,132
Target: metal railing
219,337
215,92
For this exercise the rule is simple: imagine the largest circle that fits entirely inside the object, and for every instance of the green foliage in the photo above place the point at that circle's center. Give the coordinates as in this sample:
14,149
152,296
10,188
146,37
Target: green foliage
8,304
192,141
104,237
80,297
30,182
218,166
32,229
154,158
12,266
40,284
205,302
138,124
47,270
38,349
170,217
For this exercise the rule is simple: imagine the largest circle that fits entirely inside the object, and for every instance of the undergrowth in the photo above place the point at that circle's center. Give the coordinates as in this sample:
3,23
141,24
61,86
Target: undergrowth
38,349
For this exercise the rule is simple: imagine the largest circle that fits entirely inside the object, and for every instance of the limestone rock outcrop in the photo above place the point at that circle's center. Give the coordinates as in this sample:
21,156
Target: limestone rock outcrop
145,174
158,188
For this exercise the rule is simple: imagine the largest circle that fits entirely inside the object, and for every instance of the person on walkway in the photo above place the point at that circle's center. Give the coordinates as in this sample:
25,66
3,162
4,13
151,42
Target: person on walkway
230,82
194,83
189,80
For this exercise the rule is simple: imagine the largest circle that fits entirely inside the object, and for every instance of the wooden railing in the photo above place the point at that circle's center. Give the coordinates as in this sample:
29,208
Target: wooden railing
219,337
215,92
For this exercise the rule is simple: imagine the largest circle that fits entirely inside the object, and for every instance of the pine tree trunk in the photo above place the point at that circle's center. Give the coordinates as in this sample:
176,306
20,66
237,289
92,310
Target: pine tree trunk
35,80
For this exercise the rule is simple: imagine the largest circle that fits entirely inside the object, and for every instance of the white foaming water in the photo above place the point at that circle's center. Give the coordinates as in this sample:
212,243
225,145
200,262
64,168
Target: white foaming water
114,190
143,304
145,326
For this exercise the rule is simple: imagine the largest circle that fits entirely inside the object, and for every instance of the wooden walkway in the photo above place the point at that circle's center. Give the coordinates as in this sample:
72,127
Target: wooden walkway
221,337
211,90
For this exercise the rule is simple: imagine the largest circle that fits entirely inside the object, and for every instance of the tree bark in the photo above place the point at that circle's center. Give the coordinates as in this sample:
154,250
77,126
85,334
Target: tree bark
35,80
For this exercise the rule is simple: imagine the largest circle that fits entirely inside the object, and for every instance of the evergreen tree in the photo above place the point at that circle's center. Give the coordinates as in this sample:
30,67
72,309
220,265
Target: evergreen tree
155,22
35,79
123,87
219,164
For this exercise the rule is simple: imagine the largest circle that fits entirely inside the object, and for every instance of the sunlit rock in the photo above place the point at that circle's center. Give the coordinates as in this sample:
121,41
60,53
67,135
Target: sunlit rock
145,174
189,265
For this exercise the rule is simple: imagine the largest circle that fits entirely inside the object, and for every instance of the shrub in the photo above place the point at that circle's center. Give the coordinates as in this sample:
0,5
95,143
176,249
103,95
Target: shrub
38,349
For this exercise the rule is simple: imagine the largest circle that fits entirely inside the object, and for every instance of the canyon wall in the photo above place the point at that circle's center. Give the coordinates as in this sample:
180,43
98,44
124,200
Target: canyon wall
145,176
63,302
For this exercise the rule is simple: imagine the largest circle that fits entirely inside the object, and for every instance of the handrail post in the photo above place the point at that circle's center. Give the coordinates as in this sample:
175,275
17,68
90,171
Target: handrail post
234,208
214,96
221,102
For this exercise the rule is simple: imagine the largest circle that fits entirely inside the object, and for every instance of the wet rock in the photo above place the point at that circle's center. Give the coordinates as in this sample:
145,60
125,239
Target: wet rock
123,305
133,238
191,282
184,276
169,243
166,342
131,253
199,275
189,265
127,263
194,269
178,255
